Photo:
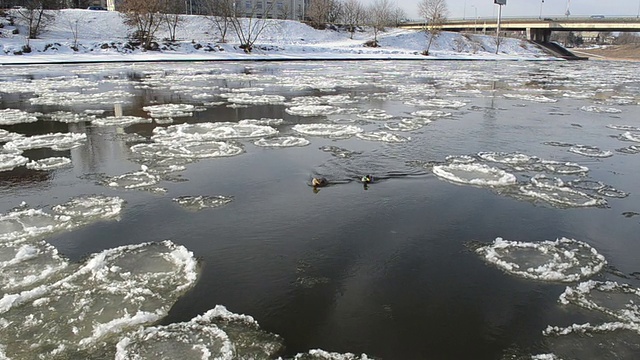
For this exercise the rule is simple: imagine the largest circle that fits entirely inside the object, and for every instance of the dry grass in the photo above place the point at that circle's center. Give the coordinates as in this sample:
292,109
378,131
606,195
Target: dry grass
629,52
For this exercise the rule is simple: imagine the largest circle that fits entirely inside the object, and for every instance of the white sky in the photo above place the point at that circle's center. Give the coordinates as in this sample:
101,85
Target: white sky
550,8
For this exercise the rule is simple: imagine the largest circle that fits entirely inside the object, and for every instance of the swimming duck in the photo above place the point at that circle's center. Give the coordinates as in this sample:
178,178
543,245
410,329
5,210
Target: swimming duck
367,179
319,182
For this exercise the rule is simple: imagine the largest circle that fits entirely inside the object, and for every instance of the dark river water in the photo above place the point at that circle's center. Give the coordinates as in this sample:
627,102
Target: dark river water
390,269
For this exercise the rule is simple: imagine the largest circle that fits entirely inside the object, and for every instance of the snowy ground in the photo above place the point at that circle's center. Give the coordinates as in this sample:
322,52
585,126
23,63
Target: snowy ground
102,36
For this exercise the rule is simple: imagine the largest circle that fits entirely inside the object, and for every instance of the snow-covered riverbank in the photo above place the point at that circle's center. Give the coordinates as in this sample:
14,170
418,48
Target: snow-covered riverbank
101,36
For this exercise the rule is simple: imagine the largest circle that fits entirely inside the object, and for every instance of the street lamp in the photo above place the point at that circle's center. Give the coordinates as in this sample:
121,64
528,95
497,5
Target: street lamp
541,3
475,21
464,10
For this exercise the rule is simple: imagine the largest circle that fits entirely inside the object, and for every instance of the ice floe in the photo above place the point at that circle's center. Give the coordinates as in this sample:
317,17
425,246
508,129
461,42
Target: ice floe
318,354
563,260
431,114
6,135
382,136
554,192
57,141
71,98
533,98
121,121
406,124
170,110
282,142
49,163
11,161
70,117
133,180
375,114
15,116
601,109
114,291
631,136
633,149
617,300
460,159
90,207
250,99
202,201
437,103
611,340
329,130
187,150
623,127
508,158
475,174
313,110
210,132
217,334
565,168
262,121
592,151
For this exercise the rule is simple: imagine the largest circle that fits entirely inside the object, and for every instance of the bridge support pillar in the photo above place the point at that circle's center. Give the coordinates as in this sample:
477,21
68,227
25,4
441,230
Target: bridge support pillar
539,35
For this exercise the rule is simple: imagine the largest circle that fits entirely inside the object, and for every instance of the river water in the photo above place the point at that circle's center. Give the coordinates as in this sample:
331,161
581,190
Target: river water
501,223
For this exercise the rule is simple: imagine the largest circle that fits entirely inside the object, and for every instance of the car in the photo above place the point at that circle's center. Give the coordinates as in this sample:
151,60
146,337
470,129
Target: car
597,16
100,8
18,7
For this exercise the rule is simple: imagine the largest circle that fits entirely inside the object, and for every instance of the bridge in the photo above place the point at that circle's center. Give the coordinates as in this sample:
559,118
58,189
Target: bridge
537,29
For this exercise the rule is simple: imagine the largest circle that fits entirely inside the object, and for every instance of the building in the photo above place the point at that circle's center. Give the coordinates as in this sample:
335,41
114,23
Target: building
272,9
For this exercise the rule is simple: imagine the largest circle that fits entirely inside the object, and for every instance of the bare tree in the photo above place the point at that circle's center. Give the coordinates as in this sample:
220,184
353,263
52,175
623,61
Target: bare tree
353,15
249,28
146,16
398,15
435,14
321,12
379,16
221,13
37,15
627,38
172,16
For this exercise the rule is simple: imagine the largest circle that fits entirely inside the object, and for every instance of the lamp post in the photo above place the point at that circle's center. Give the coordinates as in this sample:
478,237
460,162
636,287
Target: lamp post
464,10
541,3
475,21
638,14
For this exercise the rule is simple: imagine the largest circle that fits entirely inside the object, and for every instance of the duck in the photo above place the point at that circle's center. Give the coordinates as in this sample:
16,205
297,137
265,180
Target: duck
367,179
319,182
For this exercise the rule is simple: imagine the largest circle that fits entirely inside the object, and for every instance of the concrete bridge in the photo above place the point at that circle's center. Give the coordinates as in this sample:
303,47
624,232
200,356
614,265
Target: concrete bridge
538,30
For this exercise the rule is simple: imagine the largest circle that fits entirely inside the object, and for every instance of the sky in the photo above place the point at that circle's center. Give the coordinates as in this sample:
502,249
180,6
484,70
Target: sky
550,8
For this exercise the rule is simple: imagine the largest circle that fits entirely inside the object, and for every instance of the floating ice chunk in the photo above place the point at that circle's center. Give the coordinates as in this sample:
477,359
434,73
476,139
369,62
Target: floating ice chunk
85,208
612,340
339,152
70,98
375,114
318,354
15,116
564,260
249,99
57,141
320,100
633,149
406,124
114,291
176,341
21,224
210,131
263,121
202,201
248,90
134,180
281,142
561,196
586,184
330,130
430,114
217,334
121,121
382,136
631,136
474,174
623,127
11,161
563,167
50,163
578,94
9,136
508,158
26,265
438,103
170,110
558,143
601,109
188,150
591,151
69,117
534,98
612,192
617,300
312,110
460,159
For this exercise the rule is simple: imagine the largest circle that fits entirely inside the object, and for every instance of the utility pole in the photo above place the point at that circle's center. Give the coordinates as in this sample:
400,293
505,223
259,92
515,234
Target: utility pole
499,3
